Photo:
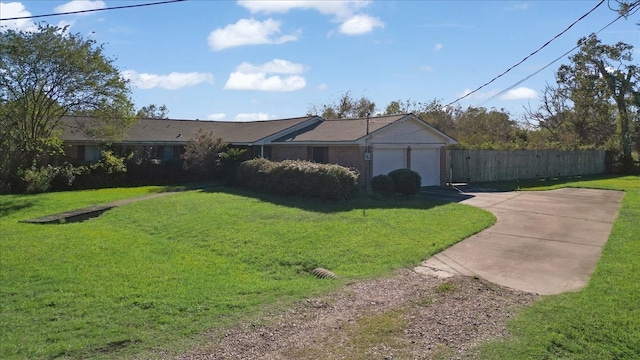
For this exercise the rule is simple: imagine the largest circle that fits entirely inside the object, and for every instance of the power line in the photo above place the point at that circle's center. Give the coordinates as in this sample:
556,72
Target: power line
528,56
91,10
558,58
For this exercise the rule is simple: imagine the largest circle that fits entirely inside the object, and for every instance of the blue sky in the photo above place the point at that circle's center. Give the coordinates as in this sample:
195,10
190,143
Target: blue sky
259,60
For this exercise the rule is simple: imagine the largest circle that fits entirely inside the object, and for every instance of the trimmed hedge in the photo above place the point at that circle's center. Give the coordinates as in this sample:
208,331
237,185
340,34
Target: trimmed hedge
383,184
407,181
297,177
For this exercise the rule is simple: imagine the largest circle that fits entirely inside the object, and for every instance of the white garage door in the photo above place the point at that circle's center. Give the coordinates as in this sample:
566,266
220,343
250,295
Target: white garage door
426,162
387,160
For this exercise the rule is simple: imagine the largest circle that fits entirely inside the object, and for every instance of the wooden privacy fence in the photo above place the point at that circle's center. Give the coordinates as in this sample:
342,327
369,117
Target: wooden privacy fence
493,165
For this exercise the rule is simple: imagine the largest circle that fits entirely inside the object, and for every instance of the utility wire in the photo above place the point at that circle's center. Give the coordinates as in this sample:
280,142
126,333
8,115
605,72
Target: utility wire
558,58
528,56
92,10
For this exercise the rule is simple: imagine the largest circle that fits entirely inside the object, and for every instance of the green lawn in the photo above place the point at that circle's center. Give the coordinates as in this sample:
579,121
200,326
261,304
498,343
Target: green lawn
603,320
155,274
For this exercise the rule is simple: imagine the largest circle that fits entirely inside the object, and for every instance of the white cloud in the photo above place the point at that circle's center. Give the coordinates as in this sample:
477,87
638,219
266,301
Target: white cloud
275,66
172,81
252,77
519,94
437,47
345,12
340,9
517,7
12,10
254,117
425,68
248,32
217,117
360,24
323,87
478,95
80,5
242,81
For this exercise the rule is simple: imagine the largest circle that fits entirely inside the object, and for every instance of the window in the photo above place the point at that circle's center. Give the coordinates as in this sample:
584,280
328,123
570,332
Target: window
81,152
318,154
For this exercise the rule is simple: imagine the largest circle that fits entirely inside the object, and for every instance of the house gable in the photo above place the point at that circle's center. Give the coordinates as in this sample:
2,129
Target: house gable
410,130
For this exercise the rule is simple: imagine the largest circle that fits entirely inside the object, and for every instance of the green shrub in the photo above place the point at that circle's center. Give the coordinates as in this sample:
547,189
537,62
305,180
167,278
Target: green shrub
383,184
202,154
252,174
66,175
109,164
229,161
47,178
406,181
297,177
38,180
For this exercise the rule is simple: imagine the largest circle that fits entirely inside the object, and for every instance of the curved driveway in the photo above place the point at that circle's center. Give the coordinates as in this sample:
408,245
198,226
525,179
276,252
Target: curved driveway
545,242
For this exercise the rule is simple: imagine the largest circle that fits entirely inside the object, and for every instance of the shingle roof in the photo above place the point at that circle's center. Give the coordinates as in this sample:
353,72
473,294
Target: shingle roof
293,130
341,130
182,131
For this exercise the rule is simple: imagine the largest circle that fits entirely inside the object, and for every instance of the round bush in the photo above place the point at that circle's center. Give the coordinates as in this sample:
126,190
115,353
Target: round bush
383,184
406,181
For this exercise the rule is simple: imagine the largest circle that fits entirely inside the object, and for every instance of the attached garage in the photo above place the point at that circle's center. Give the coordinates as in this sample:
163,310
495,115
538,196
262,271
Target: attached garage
410,143
386,160
374,146
424,161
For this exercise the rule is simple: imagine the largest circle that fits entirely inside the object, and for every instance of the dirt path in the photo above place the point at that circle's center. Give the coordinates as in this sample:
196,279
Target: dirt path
404,316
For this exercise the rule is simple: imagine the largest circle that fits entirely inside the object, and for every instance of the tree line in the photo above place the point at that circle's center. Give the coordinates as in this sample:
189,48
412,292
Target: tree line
593,104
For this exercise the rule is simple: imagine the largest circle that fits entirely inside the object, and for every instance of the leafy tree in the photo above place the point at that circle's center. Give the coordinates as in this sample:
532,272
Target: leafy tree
347,107
202,154
152,111
596,98
433,112
626,8
404,107
479,128
563,127
44,75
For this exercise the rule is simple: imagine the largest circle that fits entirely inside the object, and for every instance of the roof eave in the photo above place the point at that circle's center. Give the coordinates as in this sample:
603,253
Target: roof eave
267,139
316,143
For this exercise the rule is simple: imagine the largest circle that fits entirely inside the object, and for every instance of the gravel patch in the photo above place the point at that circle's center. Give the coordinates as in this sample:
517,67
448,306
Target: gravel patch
404,316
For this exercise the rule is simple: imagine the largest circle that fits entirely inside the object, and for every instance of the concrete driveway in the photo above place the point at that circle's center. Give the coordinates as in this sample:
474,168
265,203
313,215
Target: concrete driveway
545,242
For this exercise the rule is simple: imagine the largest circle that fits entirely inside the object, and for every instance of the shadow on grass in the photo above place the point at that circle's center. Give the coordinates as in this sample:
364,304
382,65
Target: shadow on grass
10,206
361,201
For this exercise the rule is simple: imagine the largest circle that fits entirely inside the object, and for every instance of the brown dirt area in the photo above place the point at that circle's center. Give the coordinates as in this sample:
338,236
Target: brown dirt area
403,316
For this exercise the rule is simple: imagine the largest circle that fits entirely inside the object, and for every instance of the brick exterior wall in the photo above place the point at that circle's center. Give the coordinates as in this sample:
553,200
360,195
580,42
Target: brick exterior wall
349,156
279,153
353,157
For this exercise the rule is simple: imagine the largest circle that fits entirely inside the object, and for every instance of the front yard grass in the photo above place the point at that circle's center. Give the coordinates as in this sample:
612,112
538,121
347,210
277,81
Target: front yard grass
154,275
603,320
